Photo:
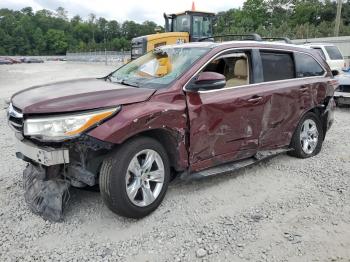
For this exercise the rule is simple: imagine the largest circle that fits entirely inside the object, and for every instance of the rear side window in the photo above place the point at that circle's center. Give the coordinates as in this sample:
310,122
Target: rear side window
321,52
307,66
334,53
277,66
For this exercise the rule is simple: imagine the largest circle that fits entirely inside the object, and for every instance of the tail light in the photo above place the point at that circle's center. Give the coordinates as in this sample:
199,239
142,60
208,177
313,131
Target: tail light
333,83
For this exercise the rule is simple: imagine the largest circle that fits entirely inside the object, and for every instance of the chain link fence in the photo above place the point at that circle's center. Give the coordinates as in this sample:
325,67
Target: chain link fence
106,57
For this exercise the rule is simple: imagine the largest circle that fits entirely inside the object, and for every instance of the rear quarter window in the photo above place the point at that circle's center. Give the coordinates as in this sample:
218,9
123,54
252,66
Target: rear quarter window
307,66
277,66
320,51
334,53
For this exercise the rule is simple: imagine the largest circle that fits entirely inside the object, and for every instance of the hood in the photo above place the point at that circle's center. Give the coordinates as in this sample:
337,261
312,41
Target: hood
77,95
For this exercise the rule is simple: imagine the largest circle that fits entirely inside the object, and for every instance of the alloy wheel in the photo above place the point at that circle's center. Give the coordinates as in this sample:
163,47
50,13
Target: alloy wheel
309,136
145,177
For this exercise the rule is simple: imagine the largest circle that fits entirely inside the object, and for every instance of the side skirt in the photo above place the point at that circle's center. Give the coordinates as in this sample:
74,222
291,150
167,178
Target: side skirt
233,166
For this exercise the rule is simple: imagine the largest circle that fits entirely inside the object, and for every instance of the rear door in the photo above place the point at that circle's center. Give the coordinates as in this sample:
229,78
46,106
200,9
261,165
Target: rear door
283,94
293,83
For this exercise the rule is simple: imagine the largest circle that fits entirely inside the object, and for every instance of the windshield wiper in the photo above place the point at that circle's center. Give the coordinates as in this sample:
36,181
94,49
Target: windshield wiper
128,83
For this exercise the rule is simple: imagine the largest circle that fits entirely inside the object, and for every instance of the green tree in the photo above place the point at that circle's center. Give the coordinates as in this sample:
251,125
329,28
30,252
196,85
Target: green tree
56,42
61,13
254,14
39,42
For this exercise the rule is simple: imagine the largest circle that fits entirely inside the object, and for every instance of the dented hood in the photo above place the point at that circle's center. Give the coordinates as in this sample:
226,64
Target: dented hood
76,95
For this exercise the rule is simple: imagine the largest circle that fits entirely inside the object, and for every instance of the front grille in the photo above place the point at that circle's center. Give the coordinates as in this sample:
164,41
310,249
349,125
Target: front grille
15,118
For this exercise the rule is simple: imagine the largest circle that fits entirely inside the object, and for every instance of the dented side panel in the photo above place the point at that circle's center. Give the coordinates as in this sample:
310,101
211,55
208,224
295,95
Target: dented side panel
165,111
224,126
286,105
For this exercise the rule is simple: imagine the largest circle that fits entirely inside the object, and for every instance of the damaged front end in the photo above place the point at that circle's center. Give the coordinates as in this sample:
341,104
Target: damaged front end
45,191
59,154
53,168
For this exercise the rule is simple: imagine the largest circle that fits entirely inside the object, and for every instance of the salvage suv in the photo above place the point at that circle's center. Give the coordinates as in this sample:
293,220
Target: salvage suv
192,110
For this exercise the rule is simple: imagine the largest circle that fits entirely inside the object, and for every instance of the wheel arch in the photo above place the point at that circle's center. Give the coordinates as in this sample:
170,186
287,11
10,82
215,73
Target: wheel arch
319,111
174,143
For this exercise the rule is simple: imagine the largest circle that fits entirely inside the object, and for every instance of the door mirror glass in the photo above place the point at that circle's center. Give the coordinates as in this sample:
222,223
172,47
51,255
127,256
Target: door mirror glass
207,81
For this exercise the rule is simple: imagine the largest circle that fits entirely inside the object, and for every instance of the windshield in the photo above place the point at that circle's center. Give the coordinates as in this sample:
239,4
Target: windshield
158,68
202,26
334,53
182,23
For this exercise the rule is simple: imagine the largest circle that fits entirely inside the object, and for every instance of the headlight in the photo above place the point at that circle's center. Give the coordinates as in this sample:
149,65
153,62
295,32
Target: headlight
65,126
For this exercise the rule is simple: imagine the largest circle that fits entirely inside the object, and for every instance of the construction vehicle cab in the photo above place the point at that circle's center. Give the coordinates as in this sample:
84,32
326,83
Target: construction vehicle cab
189,26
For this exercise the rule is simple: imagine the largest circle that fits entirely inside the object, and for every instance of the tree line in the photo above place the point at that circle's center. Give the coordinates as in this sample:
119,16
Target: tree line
296,19
46,32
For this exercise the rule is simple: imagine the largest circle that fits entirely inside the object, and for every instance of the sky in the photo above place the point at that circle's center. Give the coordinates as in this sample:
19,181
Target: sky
121,10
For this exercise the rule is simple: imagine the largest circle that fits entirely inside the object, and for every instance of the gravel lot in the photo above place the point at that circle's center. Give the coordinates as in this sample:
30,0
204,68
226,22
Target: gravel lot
284,209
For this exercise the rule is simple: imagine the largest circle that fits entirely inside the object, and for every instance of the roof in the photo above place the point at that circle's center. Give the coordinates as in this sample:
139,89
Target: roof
238,44
319,44
193,12
193,44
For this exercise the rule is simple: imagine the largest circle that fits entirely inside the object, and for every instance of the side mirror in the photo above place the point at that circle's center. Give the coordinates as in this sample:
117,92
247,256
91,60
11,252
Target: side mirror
207,81
335,72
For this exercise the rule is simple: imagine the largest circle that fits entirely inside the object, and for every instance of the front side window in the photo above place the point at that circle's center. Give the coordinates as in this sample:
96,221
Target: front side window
158,68
182,23
334,53
307,66
235,68
277,66
201,26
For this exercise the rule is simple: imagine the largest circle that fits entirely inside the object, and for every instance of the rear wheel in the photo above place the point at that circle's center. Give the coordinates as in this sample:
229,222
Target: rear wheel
308,137
133,182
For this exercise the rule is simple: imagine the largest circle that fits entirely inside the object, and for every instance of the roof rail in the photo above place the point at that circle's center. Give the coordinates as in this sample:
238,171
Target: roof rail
253,36
285,39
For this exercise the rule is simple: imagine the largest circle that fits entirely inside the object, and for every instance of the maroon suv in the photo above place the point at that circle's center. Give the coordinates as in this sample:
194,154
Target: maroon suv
193,109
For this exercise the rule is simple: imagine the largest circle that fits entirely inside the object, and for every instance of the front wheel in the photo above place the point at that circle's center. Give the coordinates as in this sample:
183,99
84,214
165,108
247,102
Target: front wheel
133,182
308,137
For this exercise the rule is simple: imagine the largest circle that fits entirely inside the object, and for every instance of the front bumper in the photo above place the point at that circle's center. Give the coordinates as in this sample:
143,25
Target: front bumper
46,156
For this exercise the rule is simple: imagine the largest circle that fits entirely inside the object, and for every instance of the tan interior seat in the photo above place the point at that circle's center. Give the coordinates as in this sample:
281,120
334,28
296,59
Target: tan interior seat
240,74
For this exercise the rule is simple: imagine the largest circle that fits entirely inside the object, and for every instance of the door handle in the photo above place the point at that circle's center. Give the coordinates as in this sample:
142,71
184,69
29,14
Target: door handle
255,99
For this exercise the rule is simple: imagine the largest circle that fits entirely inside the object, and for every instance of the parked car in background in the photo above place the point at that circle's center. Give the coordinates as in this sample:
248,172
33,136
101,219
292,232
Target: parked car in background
4,61
196,110
342,93
31,60
14,60
331,54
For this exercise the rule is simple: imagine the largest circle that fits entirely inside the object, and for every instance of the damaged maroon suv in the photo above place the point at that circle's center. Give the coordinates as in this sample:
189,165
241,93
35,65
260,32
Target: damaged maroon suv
194,110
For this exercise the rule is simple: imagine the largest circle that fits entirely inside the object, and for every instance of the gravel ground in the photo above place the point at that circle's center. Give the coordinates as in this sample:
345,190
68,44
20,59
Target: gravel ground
284,209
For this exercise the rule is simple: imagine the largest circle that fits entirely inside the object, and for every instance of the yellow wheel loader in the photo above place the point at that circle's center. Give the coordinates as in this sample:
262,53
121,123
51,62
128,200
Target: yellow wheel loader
189,26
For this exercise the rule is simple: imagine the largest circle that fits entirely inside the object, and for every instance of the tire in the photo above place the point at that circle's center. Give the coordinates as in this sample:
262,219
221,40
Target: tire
124,187
306,142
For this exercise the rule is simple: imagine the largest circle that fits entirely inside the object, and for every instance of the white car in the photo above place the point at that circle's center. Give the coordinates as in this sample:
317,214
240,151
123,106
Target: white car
342,93
331,54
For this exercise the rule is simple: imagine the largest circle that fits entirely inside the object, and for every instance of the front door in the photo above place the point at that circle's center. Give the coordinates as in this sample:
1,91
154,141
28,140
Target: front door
225,124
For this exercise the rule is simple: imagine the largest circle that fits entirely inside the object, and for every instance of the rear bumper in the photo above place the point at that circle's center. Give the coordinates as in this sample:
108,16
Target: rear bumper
342,98
329,113
46,156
